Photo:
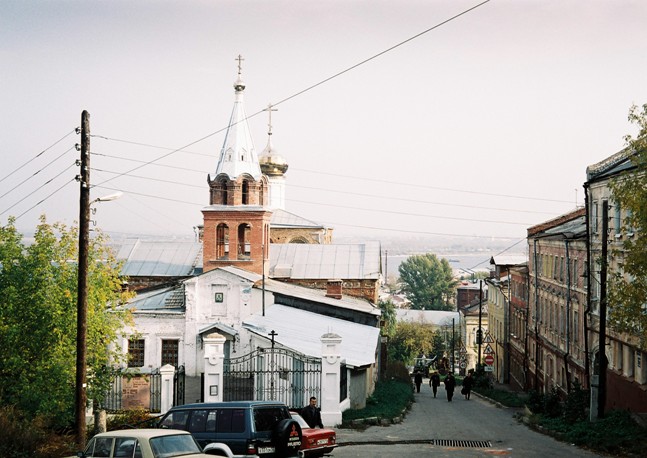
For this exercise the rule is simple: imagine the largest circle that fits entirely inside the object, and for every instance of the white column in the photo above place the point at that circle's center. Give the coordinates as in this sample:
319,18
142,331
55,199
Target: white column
214,355
330,377
167,371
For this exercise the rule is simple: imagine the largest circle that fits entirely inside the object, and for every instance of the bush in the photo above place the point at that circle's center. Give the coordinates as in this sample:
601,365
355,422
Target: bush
396,370
576,405
535,402
553,404
22,438
129,419
387,401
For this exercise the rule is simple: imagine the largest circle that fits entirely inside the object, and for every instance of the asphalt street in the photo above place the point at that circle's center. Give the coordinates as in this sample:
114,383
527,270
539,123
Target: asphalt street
461,428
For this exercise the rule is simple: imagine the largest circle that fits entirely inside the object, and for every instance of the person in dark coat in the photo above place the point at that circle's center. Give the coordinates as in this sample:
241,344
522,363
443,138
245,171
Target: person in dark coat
417,378
468,382
434,382
450,384
312,414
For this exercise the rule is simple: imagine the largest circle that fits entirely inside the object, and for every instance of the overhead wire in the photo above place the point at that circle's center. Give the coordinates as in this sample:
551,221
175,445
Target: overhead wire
32,193
37,172
43,200
39,154
325,80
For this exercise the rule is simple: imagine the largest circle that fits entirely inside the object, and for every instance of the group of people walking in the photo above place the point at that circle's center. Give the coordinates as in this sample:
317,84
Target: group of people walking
450,384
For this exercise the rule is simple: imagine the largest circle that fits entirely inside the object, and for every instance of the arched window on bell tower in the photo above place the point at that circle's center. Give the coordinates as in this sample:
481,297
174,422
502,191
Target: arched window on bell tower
221,198
244,245
245,196
222,241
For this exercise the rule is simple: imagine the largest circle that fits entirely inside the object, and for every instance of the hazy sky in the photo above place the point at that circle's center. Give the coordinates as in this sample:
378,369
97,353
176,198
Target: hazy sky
480,127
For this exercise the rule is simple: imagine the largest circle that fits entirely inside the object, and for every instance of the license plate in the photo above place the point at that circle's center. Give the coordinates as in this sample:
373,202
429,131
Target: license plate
266,450
322,441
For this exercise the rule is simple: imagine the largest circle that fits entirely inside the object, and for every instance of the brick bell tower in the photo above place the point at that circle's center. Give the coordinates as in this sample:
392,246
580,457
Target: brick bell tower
237,221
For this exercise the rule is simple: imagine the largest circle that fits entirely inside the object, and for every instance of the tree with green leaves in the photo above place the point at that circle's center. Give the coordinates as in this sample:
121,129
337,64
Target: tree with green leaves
428,282
627,289
411,340
38,286
388,317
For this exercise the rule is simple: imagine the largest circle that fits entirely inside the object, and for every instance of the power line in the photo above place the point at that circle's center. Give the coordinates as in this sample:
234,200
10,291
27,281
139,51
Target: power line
40,202
32,193
407,231
37,172
148,145
414,185
310,87
414,214
144,162
39,154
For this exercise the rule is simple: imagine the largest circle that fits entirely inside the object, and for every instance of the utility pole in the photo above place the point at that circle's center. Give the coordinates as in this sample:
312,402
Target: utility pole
602,387
479,331
82,286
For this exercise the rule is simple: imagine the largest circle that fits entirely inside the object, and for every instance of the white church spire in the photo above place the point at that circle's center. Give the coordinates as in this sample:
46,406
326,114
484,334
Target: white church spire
238,155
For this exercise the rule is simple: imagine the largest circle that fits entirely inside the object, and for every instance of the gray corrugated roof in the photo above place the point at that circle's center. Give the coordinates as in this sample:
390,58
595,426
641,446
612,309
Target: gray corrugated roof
302,331
571,229
508,260
307,261
310,294
160,258
164,300
284,219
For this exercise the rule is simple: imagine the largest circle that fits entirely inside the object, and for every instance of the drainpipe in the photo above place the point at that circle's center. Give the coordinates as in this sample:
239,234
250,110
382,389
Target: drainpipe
587,311
568,316
536,316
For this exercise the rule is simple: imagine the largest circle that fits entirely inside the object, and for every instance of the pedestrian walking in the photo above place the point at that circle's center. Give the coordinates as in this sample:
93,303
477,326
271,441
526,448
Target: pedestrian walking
434,382
417,378
468,382
450,384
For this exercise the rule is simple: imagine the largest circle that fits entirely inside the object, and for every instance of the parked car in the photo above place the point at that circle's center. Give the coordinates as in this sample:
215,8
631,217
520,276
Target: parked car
263,428
148,443
315,441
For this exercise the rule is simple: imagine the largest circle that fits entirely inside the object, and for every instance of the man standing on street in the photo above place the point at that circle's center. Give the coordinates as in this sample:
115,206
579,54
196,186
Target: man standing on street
417,378
450,384
312,414
434,382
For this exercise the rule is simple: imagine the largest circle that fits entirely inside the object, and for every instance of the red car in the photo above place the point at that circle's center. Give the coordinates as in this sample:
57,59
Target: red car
315,441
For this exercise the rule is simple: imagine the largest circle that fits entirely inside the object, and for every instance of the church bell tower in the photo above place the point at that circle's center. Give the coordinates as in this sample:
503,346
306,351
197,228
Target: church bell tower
237,220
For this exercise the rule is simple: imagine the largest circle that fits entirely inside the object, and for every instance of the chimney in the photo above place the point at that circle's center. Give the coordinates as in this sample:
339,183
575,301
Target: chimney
333,289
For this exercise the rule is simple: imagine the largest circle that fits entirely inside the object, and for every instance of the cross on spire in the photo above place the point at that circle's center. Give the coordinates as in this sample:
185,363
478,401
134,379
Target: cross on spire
240,63
270,108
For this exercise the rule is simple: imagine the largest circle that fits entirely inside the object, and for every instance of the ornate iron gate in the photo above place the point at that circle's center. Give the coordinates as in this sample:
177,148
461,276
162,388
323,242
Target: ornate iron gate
272,374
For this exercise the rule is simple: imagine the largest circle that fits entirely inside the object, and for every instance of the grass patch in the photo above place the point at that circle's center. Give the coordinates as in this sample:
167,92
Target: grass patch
388,400
617,434
507,398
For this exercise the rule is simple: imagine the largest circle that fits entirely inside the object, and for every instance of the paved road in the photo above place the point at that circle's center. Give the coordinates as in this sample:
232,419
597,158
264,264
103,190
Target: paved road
456,429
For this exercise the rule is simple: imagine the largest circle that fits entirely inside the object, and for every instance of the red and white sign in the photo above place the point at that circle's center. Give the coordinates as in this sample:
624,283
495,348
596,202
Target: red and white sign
489,360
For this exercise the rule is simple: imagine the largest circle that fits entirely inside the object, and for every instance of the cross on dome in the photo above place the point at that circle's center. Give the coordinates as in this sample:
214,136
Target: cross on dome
270,108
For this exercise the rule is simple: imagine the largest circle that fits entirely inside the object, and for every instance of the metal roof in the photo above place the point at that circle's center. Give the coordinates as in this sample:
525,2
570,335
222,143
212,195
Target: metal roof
508,260
283,219
308,261
433,317
163,300
302,331
575,228
160,258
310,294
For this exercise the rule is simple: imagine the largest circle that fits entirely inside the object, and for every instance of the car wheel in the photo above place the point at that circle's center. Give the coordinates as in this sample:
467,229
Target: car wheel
287,438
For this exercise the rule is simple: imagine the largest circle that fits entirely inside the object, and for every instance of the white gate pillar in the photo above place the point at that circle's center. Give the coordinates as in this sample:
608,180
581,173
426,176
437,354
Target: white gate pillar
330,379
214,356
167,371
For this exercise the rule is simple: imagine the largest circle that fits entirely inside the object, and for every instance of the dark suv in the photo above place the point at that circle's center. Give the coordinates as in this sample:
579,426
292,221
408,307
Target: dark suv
264,428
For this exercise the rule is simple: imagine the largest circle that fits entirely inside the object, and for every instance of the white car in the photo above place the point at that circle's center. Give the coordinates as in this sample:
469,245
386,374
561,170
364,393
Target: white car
150,443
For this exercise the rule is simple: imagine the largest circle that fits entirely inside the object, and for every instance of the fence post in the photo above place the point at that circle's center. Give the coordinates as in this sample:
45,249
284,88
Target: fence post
166,402
214,355
330,379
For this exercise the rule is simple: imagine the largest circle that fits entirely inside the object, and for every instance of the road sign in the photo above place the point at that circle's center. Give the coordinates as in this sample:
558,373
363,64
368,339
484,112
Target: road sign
489,360
463,364
488,368
488,350
488,338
